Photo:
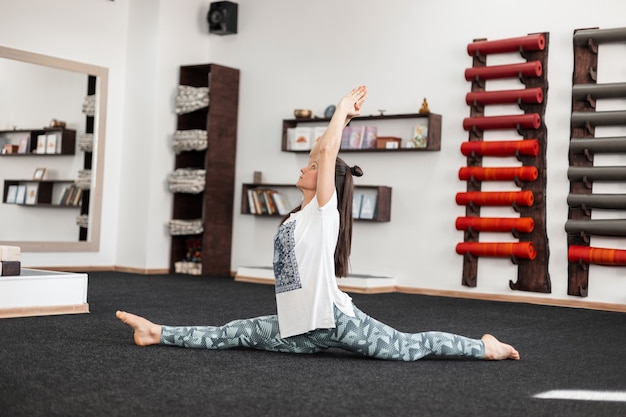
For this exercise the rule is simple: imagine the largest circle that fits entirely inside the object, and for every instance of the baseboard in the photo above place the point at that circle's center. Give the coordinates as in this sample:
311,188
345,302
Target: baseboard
43,311
554,302
130,270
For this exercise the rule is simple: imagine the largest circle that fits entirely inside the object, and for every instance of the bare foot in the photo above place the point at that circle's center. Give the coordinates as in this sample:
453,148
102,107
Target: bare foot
146,332
495,350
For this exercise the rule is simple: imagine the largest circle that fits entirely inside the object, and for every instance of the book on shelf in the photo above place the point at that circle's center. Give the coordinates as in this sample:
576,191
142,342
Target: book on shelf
302,139
63,196
251,203
51,144
31,193
267,201
11,194
77,196
20,197
258,201
369,137
10,268
41,144
368,206
345,137
281,202
24,145
357,199
356,137
71,196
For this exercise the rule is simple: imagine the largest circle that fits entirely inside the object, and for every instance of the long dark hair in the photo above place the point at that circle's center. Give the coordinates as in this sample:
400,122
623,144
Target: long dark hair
344,185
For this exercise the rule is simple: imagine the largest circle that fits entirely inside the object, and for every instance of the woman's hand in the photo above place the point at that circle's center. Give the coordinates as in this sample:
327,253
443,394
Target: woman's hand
351,103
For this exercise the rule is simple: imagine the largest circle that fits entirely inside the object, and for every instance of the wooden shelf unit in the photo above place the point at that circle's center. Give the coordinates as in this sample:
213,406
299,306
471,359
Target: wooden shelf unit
586,50
46,191
381,214
532,274
68,140
215,204
434,131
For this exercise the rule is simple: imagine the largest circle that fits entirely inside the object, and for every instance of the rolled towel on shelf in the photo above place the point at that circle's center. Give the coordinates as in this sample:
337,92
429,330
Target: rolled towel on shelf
614,144
526,69
534,42
527,173
521,250
598,256
187,180
190,98
597,173
495,198
527,147
513,121
600,227
524,95
601,201
495,224
185,227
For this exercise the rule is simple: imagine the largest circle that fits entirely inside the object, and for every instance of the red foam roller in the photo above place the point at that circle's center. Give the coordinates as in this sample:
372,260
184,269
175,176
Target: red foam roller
495,224
527,173
598,256
528,147
495,198
526,69
535,42
526,121
525,95
521,250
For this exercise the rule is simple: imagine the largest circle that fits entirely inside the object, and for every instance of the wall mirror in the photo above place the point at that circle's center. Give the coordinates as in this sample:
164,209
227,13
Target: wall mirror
36,92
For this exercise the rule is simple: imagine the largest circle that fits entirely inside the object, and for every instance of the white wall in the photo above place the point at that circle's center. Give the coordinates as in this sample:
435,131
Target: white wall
403,51
307,54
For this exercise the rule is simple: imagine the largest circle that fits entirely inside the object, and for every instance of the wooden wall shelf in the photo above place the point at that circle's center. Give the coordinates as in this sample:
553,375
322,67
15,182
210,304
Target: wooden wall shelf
433,140
67,138
382,195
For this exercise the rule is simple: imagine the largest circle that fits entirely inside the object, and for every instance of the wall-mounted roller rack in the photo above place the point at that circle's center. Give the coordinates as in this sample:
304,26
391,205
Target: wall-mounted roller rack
530,252
582,172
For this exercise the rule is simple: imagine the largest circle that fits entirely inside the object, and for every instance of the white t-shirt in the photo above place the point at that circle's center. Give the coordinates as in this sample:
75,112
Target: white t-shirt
304,268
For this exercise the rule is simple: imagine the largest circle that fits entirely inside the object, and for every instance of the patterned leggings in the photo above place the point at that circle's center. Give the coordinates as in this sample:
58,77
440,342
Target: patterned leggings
360,334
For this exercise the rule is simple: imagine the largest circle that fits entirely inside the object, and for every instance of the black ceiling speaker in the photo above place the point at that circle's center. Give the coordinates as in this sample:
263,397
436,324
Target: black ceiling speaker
222,18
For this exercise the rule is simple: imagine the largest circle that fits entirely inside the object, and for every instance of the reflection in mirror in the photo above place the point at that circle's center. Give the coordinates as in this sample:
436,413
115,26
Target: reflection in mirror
52,133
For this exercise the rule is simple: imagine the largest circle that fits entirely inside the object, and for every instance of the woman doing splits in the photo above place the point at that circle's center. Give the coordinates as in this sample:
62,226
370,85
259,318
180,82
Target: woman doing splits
311,249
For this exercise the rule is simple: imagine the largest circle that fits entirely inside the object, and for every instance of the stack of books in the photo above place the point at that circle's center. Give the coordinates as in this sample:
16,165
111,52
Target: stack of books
10,264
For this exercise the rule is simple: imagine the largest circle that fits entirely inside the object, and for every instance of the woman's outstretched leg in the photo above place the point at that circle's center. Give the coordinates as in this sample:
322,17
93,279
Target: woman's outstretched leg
369,337
256,333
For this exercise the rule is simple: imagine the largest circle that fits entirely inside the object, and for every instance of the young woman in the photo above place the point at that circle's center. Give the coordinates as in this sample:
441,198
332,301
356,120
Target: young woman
311,249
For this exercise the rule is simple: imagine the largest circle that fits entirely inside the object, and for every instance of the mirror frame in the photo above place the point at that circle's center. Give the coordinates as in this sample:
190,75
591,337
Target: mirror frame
95,210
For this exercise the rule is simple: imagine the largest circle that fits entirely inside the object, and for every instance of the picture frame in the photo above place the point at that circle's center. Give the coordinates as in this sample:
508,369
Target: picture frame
20,198
368,206
11,194
31,193
39,174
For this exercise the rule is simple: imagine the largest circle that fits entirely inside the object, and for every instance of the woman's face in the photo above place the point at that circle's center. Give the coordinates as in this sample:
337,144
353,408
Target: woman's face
308,177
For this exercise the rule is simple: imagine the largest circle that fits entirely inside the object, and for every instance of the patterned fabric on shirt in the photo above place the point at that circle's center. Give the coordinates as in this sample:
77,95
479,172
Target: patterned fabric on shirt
285,263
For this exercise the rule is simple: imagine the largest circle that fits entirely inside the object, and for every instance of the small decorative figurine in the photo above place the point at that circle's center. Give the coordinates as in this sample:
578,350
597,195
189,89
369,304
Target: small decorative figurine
424,109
